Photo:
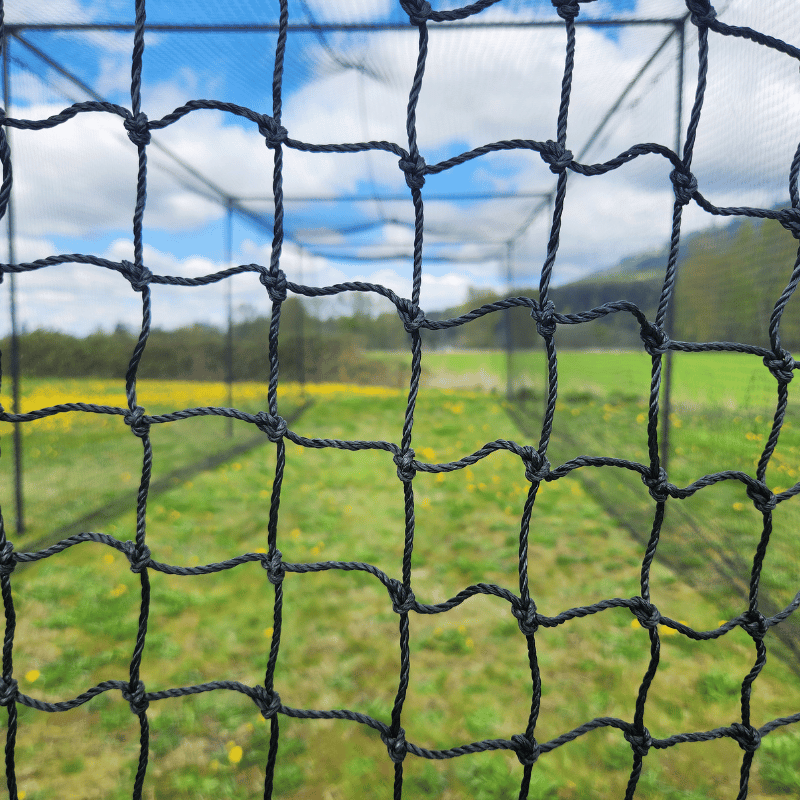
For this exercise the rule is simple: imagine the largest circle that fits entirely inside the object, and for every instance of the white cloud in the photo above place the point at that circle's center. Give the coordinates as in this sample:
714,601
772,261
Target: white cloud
20,11
480,86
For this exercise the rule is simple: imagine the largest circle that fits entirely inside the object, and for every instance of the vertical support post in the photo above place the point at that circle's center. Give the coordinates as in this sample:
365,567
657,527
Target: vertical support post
229,337
509,332
670,319
301,334
12,287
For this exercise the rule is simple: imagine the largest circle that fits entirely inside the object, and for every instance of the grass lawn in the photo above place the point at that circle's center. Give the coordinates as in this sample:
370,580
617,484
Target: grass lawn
470,678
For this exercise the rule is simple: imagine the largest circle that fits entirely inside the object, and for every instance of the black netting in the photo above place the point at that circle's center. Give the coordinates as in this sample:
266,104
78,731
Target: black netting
534,463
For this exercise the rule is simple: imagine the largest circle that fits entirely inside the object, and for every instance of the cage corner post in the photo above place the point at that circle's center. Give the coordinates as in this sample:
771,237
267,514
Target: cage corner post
19,502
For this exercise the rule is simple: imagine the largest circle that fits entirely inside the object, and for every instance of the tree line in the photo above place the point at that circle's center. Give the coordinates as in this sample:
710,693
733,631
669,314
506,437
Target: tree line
728,281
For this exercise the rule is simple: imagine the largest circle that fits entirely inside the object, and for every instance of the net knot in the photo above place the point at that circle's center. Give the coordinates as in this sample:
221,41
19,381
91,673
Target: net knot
526,616
527,750
138,129
137,698
567,9
139,276
656,341
790,219
414,170
640,742
402,597
276,285
138,555
553,153
8,561
396,745
657,485
268,702
8,691
405,465
703,13
756,625
746,736
412,315
684,184
419,11
648,615
273,133
537,467
139,424
781,365
761,495
543,314
272,562
273,425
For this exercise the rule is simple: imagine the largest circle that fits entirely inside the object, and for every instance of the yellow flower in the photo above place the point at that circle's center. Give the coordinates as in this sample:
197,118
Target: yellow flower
664,630
295,533
235,754
635,623
261,550
108,558
32,675
738,506
268,632
118,590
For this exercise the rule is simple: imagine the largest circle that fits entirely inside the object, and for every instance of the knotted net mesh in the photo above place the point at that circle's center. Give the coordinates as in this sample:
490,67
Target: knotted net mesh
533,458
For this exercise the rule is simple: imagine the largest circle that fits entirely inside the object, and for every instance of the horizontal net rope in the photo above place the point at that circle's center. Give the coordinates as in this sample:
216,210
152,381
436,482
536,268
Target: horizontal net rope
534,463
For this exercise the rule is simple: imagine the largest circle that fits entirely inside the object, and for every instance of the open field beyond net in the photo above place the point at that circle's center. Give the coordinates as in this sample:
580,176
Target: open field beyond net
470,678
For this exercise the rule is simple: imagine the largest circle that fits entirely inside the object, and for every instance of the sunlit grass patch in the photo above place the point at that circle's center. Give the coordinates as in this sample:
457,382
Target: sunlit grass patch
470,677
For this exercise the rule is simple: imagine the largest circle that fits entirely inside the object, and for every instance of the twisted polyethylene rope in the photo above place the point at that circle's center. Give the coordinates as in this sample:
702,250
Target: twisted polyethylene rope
533,459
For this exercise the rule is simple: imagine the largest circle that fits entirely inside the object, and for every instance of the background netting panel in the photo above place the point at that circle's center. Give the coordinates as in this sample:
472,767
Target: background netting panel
405,453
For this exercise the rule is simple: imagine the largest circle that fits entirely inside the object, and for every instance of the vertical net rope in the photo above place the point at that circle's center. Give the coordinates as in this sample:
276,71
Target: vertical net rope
533,459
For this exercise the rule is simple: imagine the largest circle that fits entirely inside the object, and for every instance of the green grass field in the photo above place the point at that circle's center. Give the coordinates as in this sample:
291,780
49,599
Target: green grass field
470,679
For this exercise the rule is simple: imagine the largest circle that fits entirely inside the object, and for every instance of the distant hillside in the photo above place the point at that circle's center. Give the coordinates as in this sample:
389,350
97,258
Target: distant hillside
729,278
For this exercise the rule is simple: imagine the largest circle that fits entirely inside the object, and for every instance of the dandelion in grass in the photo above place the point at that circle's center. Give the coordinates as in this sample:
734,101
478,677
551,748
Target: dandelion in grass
118,590
235,754
32,675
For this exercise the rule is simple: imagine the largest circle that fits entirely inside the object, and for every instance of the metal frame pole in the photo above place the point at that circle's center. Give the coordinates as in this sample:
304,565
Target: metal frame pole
15,379
670,319
509,332
229,337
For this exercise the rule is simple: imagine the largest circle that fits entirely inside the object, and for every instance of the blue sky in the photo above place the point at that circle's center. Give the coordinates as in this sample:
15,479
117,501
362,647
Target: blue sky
74,186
